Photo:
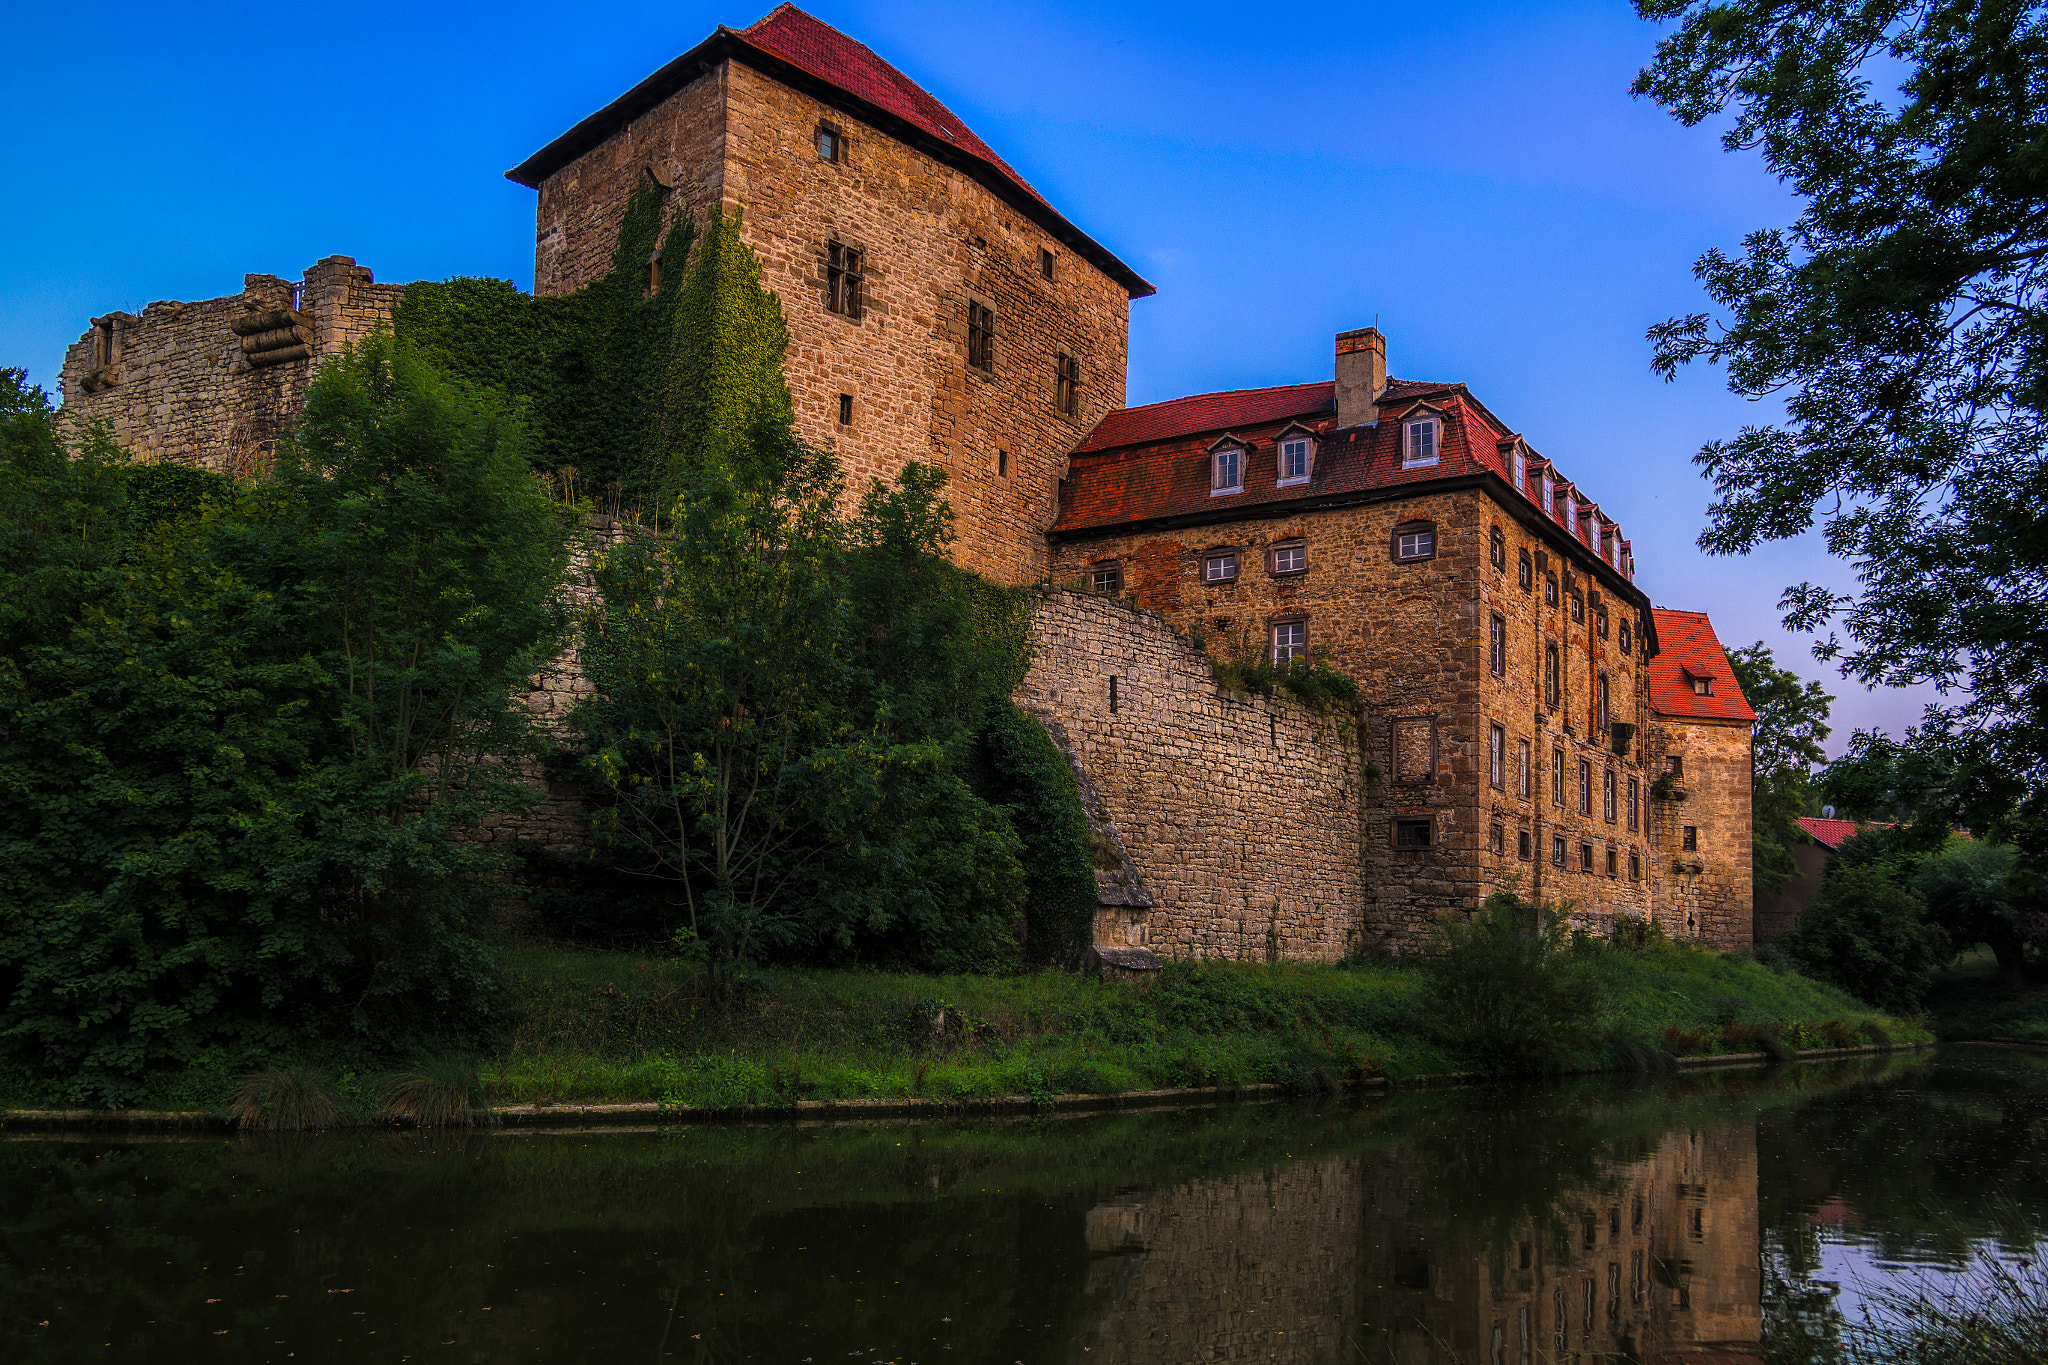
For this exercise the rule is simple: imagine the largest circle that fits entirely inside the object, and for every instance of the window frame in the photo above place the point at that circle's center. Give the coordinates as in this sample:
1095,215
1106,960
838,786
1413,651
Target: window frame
1114,568
836,156
1521,471
1497,757
1497,645
1525,845
1613,862
1067,384
1610,796
1635,865
1497,838
1553,676
1557,785
1403,823
1296,546
1236,451
1585,786
1689,839
1288,623
1578,601
1603,714
1227,555
1418,530
1557,850
1412,430
1626,640
981,337
845,409
1523,758
1550,595
1586,856
1294,434
845,279
1426,778
1635,804
1047,264
1497,549
1525,571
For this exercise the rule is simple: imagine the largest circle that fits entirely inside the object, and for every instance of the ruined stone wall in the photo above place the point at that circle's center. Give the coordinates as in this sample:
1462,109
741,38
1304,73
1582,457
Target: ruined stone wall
932,240
182,385
1240,813
1706,891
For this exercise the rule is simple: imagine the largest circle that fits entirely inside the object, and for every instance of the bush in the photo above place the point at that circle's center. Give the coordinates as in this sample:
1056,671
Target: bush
1507,991
286,1099
443,1093
1870,936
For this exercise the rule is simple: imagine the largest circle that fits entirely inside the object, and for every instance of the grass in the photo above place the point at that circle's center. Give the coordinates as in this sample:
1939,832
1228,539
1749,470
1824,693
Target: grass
1971,1001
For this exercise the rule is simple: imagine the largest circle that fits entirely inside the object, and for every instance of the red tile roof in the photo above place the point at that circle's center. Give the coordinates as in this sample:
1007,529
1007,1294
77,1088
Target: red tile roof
1830,834
1687,648
830,55
1206,412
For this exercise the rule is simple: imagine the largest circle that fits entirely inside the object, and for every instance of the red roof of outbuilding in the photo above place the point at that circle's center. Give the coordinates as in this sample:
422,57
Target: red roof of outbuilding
1831,834
1689,649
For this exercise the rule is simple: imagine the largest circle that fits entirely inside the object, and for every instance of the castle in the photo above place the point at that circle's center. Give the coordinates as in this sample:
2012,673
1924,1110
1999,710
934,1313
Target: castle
1527,719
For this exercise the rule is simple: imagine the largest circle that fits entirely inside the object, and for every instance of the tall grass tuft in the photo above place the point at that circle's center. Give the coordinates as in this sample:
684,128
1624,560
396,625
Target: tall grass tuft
442,1093
286,1099
1996,1314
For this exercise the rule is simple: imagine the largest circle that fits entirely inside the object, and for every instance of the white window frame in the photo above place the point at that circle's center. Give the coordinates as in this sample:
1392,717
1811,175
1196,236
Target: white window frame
1308,456
1411,430
1298,549
1522,768
1521,472
1217,488
1226,559
1571,513
1497,757
1295,644
1424,543
1549,497
1594,523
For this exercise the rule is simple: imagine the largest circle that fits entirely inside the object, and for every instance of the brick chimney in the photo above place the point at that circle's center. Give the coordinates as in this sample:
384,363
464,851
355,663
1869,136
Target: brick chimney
1361,374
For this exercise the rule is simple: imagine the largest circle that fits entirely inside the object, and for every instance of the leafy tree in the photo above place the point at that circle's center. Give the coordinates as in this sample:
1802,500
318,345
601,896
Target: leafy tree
1902,321
1975,892
246,736
1791,721
1871,936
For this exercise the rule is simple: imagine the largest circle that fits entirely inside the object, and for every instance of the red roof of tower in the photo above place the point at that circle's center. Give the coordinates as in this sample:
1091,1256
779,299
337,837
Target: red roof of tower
1689,649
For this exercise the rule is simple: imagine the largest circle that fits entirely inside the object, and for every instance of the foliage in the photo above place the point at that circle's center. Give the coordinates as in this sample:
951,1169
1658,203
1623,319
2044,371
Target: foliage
1507,990
285,1099
1791,721
1871,936
1976,892
443,1092
1903,322
1994,1314
242,733
1248,666
1020,769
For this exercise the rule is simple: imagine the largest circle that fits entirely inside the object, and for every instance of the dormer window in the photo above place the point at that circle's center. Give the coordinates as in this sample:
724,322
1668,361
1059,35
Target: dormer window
1419,446
1226,469
1294,456
1521,472
1595,528
1701,687
1571,514
1549,497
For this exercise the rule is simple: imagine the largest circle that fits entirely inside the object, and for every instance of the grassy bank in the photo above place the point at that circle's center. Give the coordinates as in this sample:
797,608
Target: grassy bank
1971,1001
598,1026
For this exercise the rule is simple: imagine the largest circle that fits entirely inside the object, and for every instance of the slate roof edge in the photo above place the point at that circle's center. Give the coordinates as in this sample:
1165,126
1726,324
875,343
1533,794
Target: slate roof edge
727,44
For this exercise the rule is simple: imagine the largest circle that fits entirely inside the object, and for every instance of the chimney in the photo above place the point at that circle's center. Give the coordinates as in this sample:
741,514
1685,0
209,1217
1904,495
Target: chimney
1361,374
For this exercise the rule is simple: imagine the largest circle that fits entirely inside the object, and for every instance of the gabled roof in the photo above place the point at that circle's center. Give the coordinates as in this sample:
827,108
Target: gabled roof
810,56
1688,649
1832,834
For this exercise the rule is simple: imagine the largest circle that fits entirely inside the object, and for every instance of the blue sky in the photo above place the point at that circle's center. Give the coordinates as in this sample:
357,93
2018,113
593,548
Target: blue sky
1474,178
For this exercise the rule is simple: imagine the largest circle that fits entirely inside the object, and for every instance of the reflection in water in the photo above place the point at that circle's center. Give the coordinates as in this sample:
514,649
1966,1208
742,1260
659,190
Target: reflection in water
1505,1226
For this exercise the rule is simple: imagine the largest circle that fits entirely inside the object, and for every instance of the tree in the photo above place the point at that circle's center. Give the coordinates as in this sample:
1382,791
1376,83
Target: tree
1870,936
1791,721
1902,320
1974,891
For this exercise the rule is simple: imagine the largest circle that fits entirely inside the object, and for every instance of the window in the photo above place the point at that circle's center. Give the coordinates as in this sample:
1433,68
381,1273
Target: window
1550,671
1613,863
1112,694
1291,558
981,337
1294,460
1419,447
1635,806
1521,472
1067,397
1557,850
1411,834
1497,647
1045,262
1578,606
1585,786
1557,777
1290,641
831,144
1691,842
1522,769
1600,622
1549,589
1497,549
654,271
1675,765
1624,635
1107,576
1549,496
1635,866
1593,526
1526,572
1497,758
1600,712
103,344
1571,514
1220,567
1703,687
1497,837
1002,464
1607,801
843,280
1585,857
1522,845
1414,540
1226,473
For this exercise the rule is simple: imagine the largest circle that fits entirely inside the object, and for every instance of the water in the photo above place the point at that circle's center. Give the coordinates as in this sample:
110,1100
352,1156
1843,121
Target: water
1714,1215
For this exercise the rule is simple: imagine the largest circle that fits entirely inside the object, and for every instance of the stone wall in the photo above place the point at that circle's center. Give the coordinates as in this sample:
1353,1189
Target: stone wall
1777,911
1240,813
1705,891
183,385
932,240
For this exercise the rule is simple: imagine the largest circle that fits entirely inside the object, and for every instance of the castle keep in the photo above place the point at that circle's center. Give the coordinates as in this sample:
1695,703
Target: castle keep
1527,720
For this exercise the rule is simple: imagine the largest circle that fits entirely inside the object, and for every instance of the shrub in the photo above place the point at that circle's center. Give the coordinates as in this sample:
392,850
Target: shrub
1870,936
443,1093
1506,991
286,1099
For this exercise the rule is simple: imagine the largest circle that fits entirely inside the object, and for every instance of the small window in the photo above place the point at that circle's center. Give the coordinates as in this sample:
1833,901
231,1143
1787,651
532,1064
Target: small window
1549,589
1521,472
1601,715
1578,606
1414,540
1571,514
1549,497
1525,572
1045,262
1497,647
1220,567
831,145
1625,641
1550,676
1290,641
104,345
981,337
843,277
1557,778
1703,687
1692,839
1419,447
1522,768
1294,460
1497,758
1675,765
1497,837
1107,576
1522,845
1067,387
1226,470
1002,464
1635,866
1607,797
1585,786
1412,833
654,271
1635,804
1497,548
845,409
1613,863
1600,622
1289,559
1557,850
1585,857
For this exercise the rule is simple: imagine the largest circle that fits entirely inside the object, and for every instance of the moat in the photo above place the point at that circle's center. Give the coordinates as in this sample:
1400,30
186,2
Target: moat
1722,1216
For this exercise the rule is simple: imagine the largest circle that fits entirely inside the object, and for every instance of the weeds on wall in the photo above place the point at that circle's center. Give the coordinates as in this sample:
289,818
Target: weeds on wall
1247,665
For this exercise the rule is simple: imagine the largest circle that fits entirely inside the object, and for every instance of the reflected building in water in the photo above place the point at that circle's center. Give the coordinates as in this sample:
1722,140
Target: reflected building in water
1360,1259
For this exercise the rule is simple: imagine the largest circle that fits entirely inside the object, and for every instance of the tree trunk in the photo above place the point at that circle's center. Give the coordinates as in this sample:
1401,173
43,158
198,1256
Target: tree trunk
2012,962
